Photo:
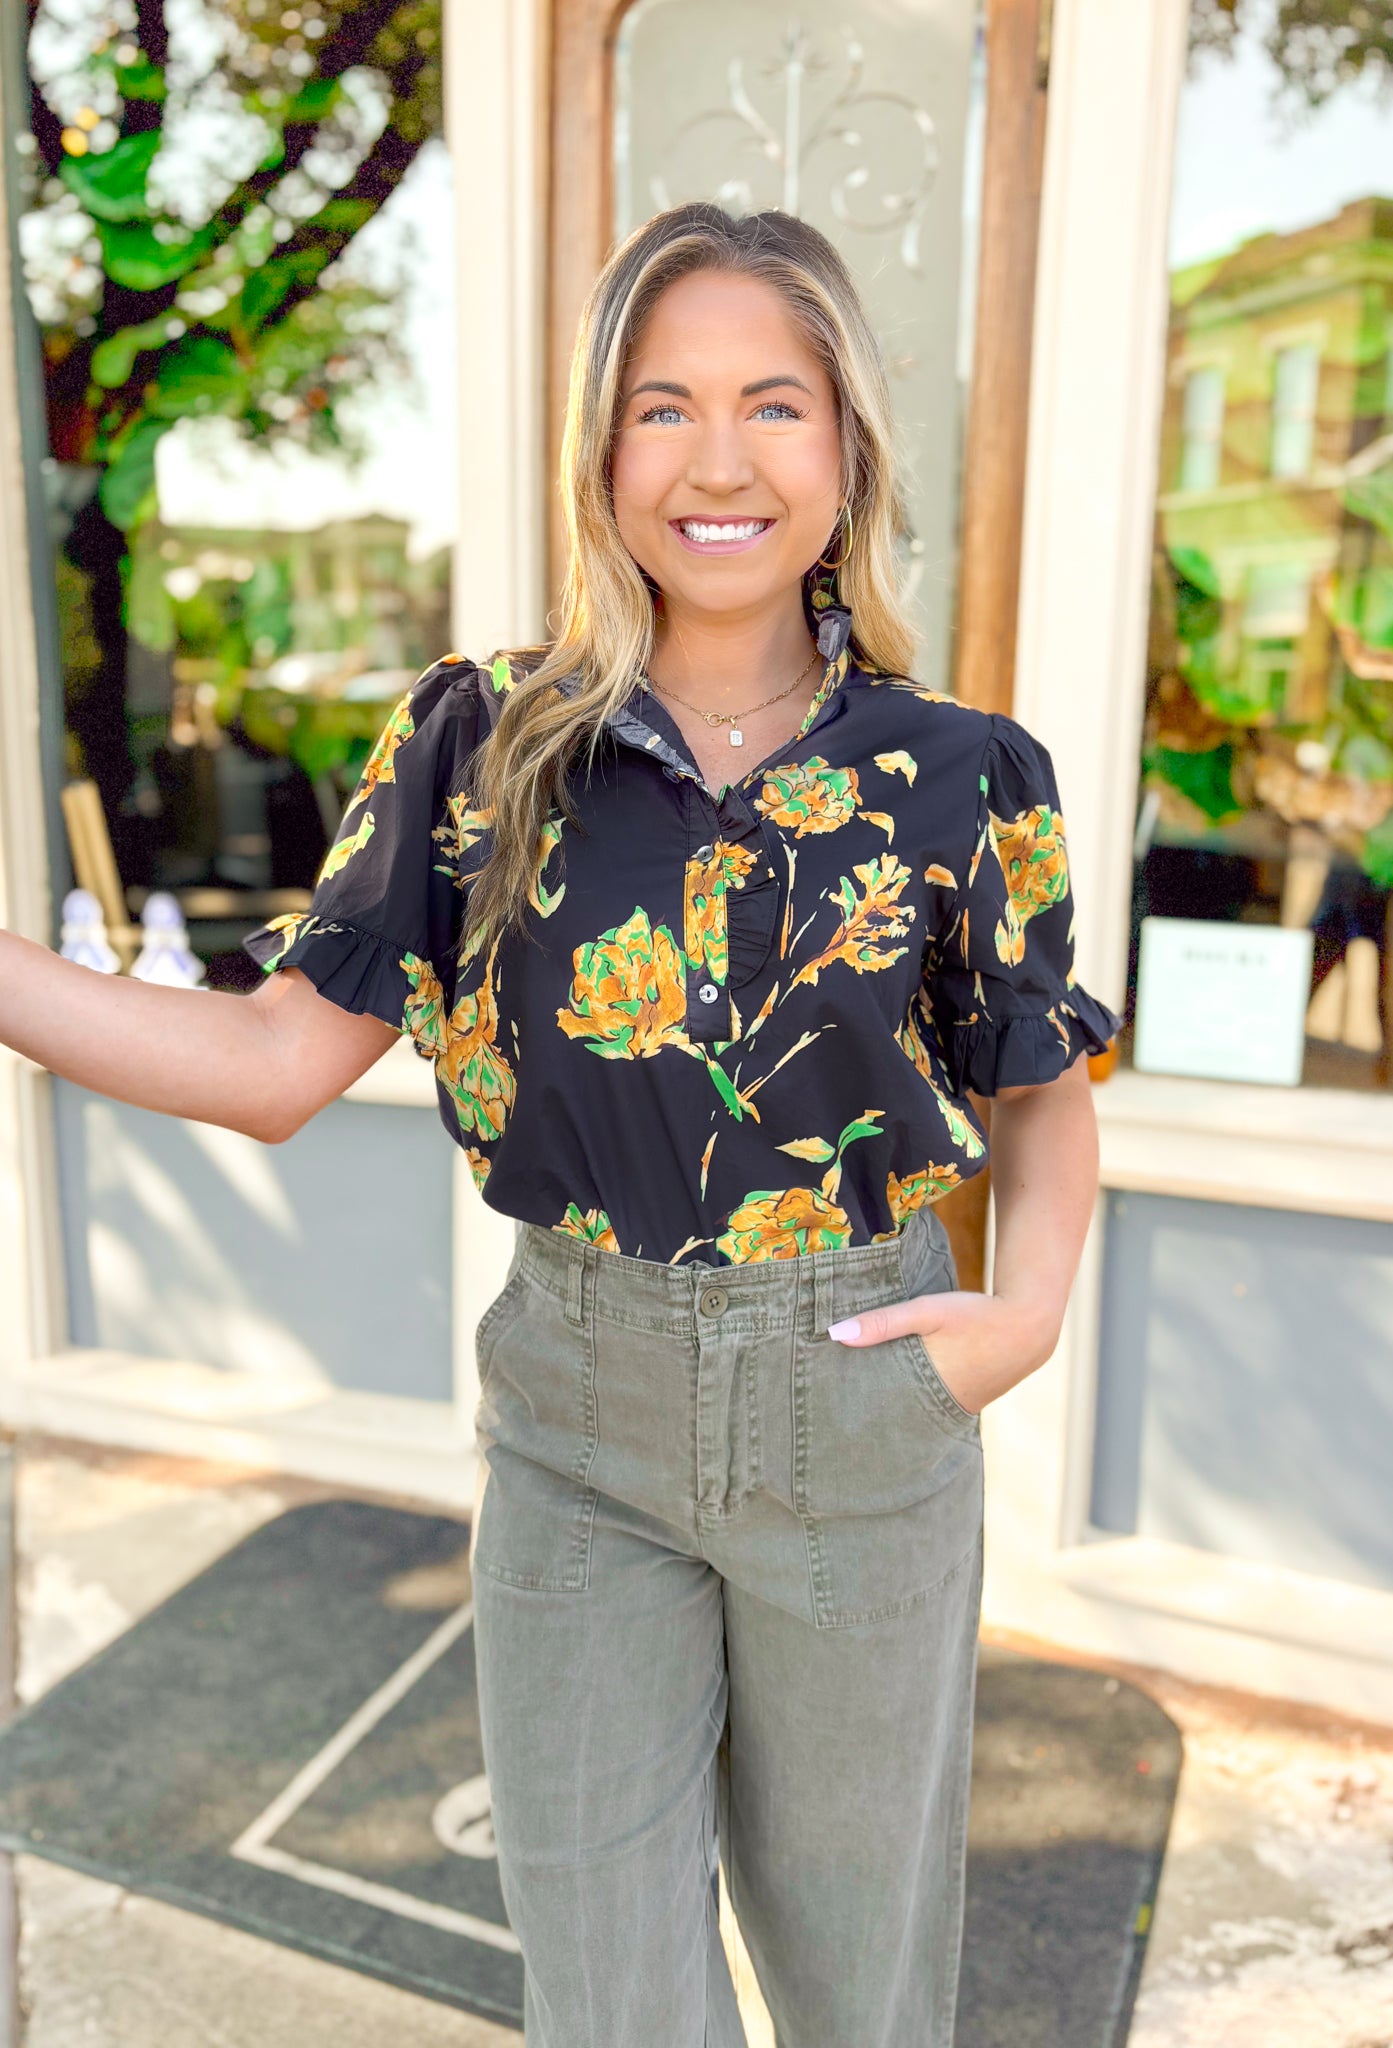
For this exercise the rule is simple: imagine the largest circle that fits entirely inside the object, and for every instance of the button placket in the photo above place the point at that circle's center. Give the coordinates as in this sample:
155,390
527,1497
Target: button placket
708,1005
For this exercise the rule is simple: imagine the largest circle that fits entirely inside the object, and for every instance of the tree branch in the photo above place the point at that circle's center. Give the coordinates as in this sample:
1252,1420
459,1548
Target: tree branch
375,179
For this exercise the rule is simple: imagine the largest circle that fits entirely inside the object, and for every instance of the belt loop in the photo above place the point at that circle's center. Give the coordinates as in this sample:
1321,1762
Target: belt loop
575,1281
823,1304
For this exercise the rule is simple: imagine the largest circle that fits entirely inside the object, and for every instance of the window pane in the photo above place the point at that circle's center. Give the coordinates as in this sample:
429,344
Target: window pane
1266,777
1295,383
869,125
1203,430
247,310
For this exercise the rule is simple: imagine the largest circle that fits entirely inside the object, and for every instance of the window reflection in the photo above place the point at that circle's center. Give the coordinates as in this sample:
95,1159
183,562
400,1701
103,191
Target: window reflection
235,230
1267,764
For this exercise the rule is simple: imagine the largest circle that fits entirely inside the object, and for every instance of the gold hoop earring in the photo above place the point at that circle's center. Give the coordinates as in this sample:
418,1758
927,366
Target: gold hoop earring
832,567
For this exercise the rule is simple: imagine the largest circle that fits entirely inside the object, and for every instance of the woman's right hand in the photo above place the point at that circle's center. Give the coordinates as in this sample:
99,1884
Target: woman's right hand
263,1063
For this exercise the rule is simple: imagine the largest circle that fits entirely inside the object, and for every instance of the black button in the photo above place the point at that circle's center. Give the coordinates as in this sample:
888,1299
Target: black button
705,852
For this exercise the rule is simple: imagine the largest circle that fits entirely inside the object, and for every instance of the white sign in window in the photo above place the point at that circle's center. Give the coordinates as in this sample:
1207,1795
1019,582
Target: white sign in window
1222,1002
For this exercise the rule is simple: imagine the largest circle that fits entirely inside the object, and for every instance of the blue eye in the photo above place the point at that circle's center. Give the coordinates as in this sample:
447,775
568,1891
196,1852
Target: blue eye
653,412
781,407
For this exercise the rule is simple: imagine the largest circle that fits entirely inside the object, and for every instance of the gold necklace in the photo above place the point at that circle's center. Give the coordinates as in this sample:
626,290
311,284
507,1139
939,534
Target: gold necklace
737,738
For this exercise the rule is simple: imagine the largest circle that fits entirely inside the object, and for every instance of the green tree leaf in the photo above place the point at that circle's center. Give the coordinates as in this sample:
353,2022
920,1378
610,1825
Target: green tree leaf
141,80
1371,497
133,255
149,610
201,375
114,359
316,98
1206,778
267,287
1378,853
129,481
111,186
1195,566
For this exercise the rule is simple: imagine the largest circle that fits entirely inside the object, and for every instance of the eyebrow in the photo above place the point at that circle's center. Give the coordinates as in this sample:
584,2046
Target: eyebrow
747,391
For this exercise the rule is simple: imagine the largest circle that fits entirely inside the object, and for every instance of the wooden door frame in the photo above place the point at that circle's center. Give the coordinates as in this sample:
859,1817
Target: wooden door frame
582,203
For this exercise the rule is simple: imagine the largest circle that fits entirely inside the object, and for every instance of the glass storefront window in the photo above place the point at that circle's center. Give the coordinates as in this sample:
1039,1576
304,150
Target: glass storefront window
236,227
1266,777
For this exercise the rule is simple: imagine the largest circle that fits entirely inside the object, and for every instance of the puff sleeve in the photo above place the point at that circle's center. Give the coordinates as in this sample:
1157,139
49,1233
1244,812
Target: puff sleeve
382,932
1000,974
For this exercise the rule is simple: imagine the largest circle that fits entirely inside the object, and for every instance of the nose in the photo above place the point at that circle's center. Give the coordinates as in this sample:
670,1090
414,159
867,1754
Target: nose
717,462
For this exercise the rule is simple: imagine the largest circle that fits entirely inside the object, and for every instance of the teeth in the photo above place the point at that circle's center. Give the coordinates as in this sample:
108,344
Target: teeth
703,530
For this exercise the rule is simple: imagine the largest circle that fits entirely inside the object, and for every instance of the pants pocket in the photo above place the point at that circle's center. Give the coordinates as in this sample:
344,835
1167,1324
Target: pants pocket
535,1423
888,1477
938,1389
534,1527
508,1298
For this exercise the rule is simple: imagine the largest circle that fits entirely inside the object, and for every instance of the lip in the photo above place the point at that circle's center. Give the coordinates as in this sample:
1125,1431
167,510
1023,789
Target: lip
720,547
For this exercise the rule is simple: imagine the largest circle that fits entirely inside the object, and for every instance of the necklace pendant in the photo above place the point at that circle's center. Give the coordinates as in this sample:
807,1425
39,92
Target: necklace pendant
737,738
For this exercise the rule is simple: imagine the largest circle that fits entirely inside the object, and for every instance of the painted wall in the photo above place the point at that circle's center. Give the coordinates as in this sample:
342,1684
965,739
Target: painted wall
323,1262
1245,1404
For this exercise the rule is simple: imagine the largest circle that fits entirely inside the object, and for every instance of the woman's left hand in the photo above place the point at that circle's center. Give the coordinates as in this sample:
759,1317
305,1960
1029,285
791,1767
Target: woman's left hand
980,1344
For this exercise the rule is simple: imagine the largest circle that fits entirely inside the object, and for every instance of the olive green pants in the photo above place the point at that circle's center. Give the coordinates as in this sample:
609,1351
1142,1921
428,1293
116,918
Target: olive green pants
727,1588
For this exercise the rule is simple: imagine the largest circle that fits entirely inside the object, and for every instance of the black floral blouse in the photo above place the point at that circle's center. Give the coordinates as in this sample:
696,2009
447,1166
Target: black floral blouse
750,1025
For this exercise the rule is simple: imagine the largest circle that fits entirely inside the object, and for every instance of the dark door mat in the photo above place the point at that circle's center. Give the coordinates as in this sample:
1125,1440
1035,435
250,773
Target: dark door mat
291,1744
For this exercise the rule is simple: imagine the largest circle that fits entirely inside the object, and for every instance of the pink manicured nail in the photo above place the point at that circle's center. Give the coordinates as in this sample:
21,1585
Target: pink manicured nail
848,1327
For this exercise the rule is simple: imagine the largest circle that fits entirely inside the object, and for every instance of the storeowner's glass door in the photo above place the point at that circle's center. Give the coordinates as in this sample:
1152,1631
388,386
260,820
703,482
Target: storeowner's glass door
867,122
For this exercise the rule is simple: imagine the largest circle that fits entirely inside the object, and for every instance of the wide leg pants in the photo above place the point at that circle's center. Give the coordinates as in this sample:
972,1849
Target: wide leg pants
727,1589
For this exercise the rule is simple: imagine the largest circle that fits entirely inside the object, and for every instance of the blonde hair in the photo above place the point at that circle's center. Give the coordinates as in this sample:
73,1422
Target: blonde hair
605,634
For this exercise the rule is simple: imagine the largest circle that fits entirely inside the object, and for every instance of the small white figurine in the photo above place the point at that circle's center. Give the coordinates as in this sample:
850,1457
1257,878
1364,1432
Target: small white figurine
83,934
164,950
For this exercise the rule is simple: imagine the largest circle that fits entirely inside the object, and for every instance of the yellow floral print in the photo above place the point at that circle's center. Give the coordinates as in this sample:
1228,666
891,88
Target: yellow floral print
922,691
898,763
380,765
868,918
811,796
542,899
424,1013
930,1184
1030,848
591,1225
779,1223
705,930
342,852
628,993
290,927
808,796
472,1067
461,827
911,1042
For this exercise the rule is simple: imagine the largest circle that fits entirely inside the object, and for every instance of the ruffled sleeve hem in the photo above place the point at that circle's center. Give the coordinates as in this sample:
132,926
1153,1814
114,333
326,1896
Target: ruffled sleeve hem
357,970
1022,1051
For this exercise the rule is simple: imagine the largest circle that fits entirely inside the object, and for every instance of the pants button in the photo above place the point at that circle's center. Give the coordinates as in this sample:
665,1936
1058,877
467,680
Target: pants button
713,1301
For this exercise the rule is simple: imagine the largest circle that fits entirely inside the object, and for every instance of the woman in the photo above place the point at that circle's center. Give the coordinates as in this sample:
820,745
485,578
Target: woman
705,1018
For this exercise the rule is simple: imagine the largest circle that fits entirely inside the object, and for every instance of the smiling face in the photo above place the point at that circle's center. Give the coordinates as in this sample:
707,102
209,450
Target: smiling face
726,463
